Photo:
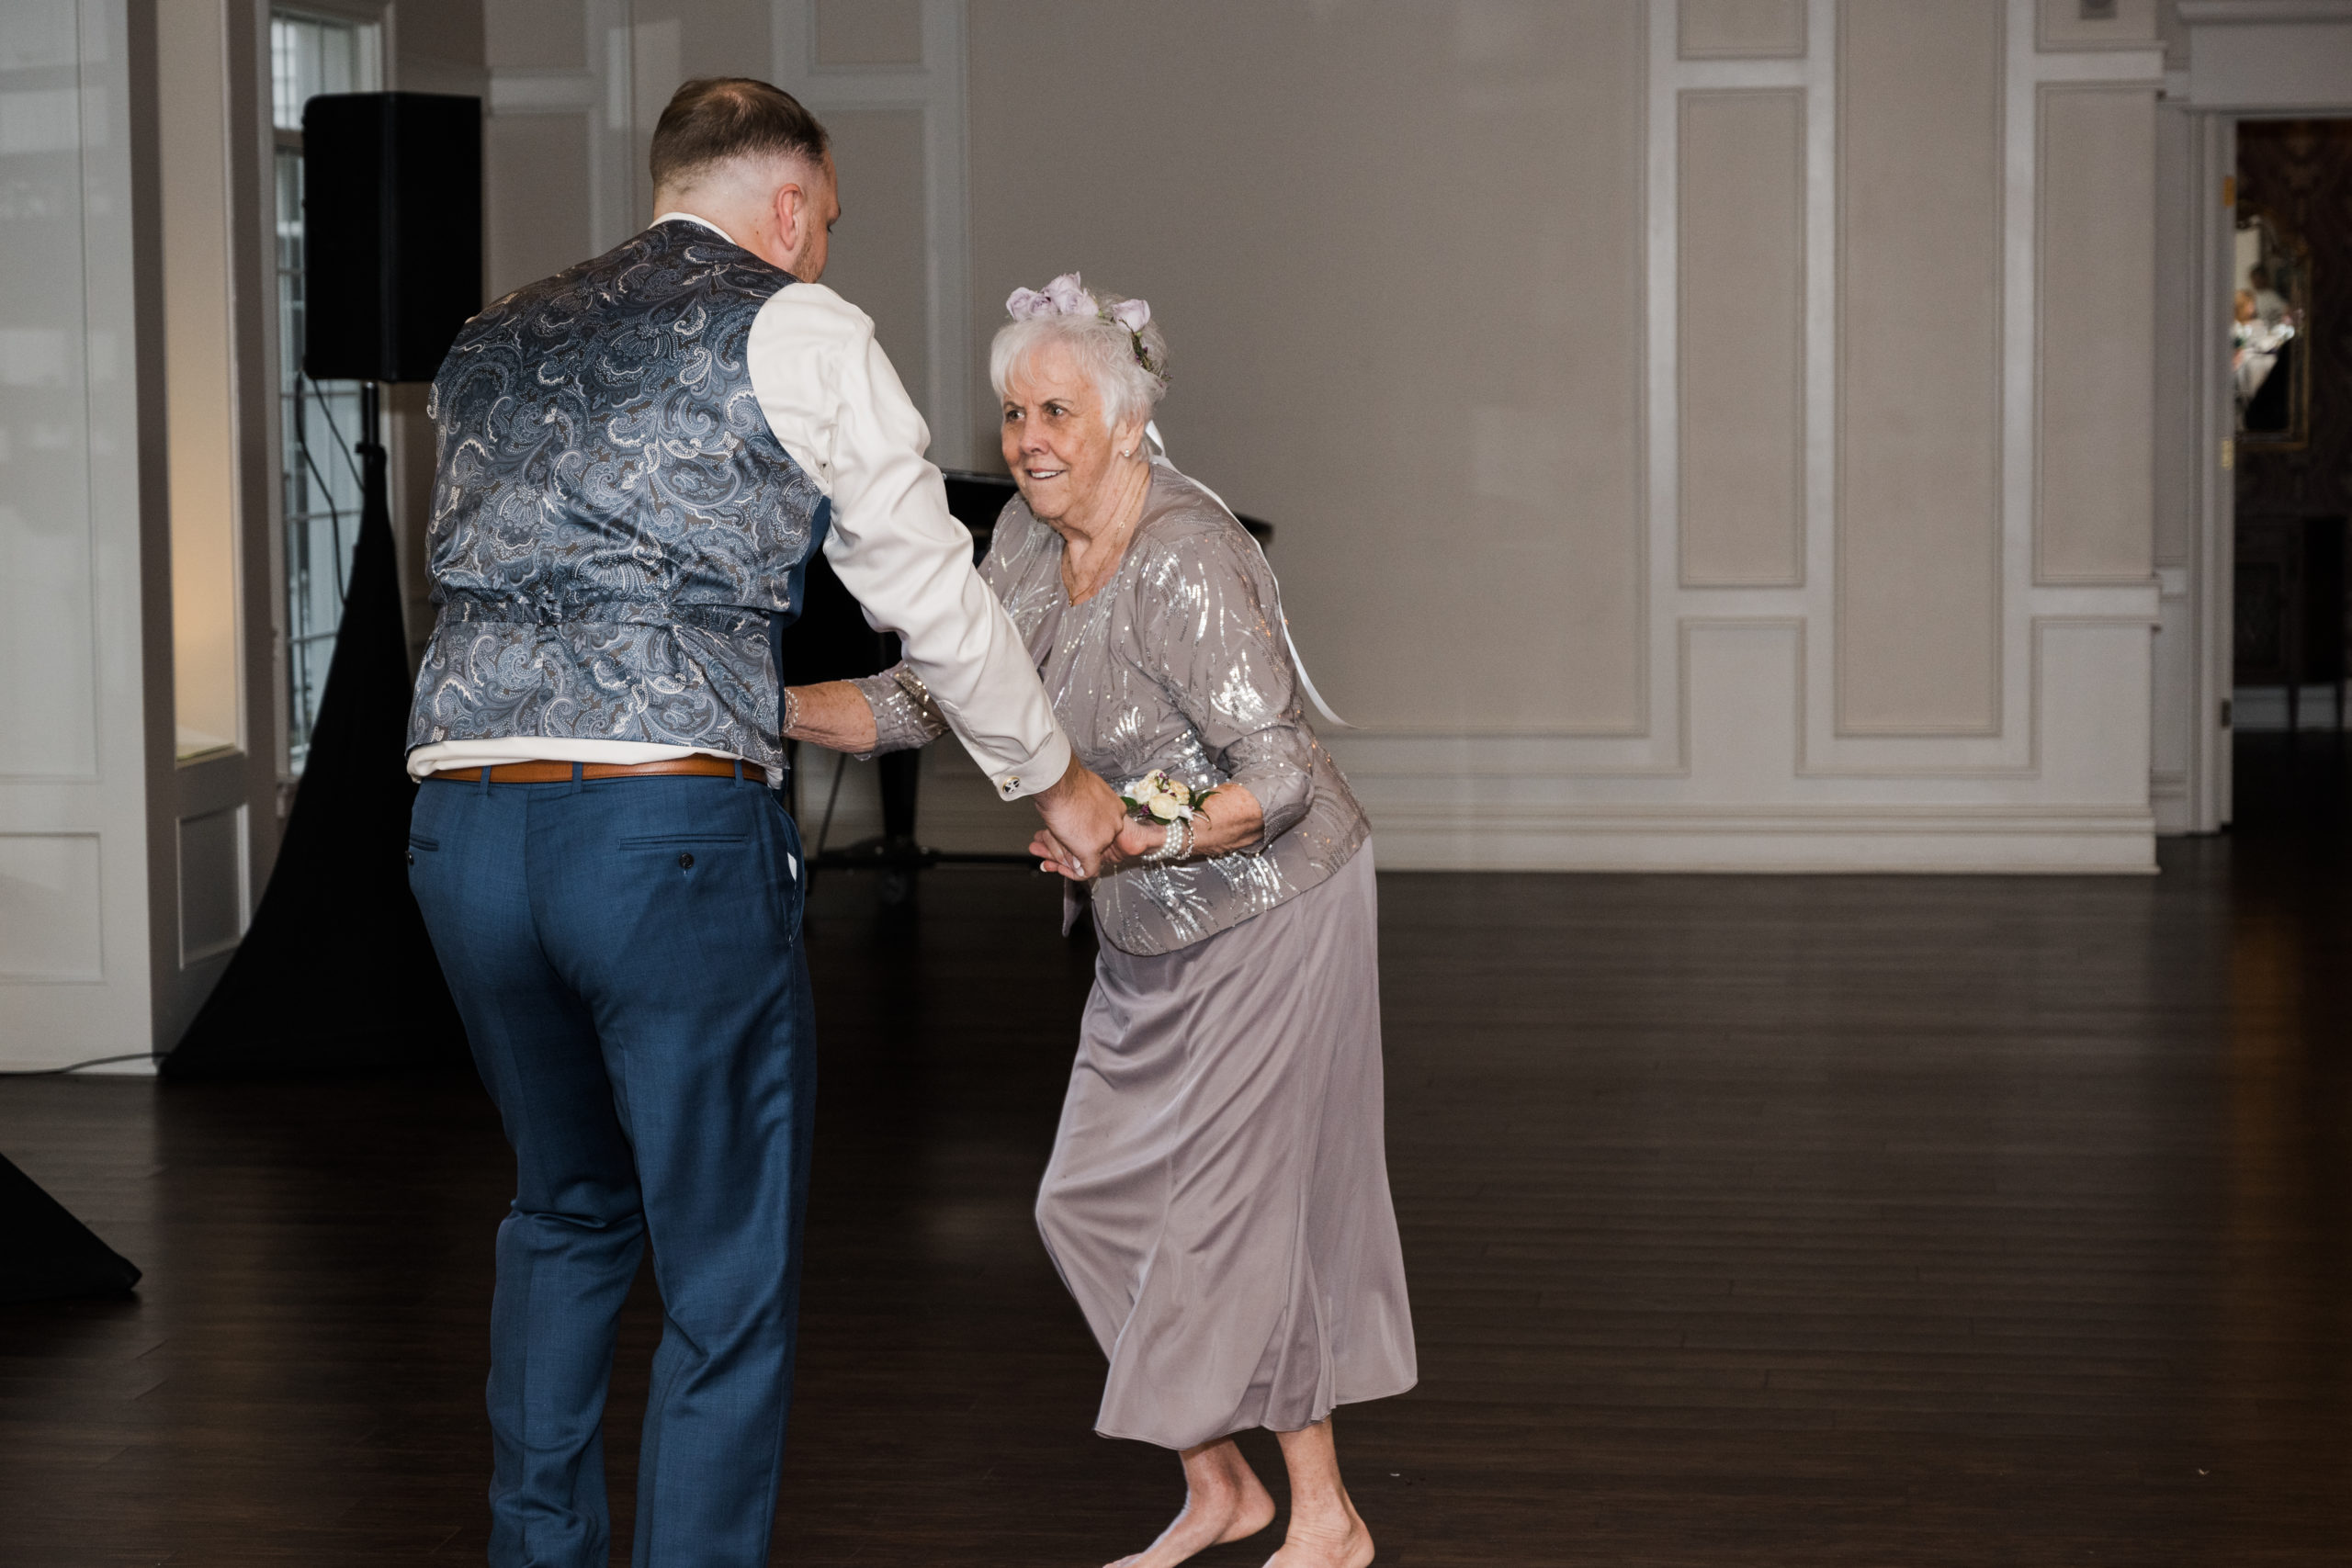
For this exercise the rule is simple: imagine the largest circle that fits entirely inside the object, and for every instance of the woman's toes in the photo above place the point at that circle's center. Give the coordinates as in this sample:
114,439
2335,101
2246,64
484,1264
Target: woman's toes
1208,1519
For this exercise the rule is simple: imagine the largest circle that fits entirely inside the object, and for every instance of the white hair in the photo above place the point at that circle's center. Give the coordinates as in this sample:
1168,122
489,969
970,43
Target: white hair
1105,350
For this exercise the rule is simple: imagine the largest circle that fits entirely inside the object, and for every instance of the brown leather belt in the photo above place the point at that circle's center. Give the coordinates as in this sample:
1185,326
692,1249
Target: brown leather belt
560,772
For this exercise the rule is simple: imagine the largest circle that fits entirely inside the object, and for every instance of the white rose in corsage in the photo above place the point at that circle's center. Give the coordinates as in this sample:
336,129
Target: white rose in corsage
1156,797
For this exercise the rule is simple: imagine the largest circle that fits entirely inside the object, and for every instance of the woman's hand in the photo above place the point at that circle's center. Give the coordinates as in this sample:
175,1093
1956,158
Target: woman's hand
1136,840
834,715
1227,819
1054,856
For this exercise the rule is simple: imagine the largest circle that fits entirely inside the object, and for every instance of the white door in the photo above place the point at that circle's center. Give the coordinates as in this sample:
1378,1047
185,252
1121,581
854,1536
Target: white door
138,774
74,840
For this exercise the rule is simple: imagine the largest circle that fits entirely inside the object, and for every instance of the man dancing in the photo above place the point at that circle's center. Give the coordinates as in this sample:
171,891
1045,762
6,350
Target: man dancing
637,458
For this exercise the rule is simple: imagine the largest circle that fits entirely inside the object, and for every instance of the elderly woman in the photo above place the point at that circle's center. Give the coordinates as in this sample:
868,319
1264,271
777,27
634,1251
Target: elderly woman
1218,1198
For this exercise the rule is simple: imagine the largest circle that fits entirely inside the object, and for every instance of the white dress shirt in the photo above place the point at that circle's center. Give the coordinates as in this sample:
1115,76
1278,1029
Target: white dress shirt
834,402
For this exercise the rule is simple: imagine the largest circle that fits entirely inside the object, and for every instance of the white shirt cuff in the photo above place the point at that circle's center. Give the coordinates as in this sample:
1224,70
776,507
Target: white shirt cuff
1037,774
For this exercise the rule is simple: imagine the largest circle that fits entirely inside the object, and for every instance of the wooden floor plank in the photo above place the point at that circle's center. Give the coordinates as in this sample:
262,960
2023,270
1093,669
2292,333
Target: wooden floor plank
1754,1221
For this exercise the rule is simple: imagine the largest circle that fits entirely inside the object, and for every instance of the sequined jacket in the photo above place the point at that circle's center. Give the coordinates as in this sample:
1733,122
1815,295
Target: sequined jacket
614,524
1178,662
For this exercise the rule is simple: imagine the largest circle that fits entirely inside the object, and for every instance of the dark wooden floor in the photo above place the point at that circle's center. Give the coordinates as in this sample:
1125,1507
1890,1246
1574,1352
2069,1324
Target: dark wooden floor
1751,1222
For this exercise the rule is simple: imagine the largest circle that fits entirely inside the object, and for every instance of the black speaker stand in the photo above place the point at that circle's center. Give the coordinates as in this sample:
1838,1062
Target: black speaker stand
375,473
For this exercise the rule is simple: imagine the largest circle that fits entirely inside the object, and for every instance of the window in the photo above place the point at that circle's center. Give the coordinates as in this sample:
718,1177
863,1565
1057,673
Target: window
310,55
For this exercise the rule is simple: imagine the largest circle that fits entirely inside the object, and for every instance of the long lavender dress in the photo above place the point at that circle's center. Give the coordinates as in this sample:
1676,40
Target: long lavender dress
1218,1198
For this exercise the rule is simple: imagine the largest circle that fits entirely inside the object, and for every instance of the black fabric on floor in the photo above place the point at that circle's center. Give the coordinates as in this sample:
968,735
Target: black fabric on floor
46,1253
337,974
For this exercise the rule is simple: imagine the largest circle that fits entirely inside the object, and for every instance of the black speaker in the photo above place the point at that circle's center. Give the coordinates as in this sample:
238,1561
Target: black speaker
391,232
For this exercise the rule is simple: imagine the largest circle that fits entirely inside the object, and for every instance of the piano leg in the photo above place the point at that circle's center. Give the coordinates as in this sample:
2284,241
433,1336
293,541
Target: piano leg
901,778
901,781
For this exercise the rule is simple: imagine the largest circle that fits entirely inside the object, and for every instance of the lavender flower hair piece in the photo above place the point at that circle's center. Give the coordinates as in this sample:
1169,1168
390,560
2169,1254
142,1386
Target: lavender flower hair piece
1027,304
1066,296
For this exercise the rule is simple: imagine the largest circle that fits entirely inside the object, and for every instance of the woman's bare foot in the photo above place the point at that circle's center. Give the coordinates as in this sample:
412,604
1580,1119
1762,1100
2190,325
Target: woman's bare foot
1328,1543
1326,1532
1224,1500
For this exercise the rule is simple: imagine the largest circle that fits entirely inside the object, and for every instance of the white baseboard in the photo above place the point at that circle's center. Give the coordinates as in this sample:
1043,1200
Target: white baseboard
2168,798
1698,839
960,812
143,1067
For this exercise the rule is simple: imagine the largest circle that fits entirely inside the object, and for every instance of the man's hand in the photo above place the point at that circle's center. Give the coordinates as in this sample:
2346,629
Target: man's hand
1083,815
1136,840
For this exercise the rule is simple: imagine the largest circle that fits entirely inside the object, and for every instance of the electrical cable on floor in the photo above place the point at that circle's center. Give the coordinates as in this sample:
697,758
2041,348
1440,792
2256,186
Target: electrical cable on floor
73,1066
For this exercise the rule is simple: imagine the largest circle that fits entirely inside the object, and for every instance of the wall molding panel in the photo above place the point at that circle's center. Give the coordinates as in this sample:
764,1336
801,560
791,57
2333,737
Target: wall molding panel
933,88
2061,26
586,116
1741,29
1921,94
2093,498
1740,318
1746,767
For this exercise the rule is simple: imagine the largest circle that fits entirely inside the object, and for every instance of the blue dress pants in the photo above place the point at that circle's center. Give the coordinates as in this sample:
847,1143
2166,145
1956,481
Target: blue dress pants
626,955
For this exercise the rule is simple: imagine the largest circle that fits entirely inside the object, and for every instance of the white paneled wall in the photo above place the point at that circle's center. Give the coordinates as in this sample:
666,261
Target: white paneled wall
1755,754
1868,597
1744,467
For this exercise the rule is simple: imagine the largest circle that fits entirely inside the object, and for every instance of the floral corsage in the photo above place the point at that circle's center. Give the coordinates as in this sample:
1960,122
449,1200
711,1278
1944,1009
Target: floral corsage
1156,797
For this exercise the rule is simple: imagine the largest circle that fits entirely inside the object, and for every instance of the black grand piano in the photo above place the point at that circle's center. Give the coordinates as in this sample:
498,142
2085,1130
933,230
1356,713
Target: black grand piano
831,641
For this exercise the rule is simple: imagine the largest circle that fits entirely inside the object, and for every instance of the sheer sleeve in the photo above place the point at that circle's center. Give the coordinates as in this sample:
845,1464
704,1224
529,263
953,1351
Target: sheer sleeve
1213,642
904,715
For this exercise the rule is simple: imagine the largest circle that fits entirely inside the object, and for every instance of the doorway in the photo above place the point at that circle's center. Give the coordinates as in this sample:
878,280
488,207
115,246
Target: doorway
2290,373
2241,385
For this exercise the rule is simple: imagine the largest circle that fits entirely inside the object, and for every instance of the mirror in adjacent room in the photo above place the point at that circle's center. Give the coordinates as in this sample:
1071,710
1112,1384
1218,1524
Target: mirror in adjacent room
200,385
2270,328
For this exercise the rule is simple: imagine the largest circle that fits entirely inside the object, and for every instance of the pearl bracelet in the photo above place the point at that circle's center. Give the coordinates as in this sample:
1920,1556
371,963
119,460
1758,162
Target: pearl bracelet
791,718
1176,846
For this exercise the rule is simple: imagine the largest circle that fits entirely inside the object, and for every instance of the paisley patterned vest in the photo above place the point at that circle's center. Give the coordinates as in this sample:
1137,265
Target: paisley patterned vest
616,536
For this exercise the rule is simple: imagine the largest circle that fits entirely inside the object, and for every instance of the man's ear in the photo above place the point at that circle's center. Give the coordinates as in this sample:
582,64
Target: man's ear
791,210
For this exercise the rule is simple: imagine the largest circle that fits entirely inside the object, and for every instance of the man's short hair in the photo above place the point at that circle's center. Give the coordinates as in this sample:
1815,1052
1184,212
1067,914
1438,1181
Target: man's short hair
714,119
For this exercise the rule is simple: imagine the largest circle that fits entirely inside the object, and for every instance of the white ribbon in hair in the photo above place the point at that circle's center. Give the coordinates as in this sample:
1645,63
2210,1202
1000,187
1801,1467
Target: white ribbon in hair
1159,454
